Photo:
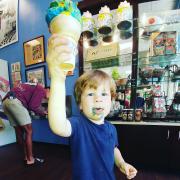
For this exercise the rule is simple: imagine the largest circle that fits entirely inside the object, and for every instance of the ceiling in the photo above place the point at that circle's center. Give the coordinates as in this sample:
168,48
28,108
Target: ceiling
94,5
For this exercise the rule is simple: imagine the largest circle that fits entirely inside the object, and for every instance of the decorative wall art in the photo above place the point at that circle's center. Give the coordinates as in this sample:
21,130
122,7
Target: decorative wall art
16,73
36,73
8,22
34,51
16,67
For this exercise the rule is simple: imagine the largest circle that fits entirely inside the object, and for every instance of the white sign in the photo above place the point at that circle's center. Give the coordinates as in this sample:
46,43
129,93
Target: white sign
101,51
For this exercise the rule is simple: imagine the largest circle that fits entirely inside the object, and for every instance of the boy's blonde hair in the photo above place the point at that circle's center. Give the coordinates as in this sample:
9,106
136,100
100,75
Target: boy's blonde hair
92,79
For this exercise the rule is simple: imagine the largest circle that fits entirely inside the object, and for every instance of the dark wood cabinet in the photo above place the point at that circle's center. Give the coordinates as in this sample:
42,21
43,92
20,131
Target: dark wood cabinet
174,149
150,147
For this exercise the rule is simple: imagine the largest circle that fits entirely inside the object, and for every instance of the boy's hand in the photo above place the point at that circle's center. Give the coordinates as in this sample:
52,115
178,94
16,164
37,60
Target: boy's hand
59,50
128,170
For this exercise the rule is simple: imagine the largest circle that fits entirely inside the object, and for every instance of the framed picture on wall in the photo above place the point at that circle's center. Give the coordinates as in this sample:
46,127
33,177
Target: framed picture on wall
8,22
16,67
37,73
34,51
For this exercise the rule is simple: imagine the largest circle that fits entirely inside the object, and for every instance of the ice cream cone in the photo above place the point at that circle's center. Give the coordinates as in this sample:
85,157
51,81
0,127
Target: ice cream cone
64,18
68,27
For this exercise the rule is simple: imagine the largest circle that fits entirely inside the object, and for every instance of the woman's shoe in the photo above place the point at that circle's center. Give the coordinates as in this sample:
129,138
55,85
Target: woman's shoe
37,161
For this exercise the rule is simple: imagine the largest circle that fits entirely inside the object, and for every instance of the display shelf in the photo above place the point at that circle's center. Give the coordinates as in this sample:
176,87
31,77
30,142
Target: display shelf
160,61
142,86
119,60
158,20
146,31
151,82
158,64
125,57
141,52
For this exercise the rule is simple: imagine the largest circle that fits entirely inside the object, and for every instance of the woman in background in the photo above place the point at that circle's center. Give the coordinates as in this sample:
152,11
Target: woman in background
16,104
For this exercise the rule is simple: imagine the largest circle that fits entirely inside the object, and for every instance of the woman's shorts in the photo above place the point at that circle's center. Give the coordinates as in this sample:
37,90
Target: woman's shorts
17,114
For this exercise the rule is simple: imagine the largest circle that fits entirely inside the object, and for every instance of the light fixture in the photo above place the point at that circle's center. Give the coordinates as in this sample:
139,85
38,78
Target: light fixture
93,42
104,20
87,25
124,16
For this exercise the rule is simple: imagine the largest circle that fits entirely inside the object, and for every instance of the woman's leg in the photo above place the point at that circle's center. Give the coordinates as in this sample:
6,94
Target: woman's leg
19,134
28,143
20,139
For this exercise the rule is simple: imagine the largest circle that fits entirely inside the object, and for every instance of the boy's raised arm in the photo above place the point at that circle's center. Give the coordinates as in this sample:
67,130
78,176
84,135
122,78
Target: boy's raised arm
58,47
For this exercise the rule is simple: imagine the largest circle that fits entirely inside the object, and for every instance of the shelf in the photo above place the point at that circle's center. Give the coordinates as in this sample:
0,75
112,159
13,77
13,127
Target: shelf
156,79
161,61
144,86
120,60
150,83
146,31
156,20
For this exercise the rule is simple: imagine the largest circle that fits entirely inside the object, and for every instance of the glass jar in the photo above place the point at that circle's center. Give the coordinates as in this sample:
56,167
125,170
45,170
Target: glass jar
130,114
124,114
138,114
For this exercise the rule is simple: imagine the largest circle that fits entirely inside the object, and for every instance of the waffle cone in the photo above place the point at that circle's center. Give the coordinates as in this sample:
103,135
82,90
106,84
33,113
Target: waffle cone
66,25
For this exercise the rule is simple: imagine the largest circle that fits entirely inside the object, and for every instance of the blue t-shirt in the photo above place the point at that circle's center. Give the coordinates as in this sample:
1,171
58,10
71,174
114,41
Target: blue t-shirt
92,149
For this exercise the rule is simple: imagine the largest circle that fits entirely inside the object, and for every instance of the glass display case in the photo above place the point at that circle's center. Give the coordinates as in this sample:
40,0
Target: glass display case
158,65
141,51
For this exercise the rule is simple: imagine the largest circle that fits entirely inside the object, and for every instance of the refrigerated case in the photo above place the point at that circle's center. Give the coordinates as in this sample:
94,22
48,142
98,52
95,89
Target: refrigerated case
158,65
138,63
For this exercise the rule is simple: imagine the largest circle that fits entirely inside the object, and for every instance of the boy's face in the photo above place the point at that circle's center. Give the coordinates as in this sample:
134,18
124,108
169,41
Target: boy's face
96,103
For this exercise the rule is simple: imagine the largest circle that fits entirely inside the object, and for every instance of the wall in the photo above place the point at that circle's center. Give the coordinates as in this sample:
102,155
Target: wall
31,24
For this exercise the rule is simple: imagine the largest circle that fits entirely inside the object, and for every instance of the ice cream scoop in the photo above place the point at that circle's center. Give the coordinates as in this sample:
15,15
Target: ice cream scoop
64,18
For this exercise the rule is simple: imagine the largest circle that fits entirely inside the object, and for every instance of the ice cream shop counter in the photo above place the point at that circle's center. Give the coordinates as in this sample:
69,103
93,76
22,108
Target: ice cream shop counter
41,131
147,123
154,144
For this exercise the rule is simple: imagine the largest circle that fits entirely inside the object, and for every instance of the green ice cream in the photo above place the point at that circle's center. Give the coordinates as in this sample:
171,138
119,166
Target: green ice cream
66,7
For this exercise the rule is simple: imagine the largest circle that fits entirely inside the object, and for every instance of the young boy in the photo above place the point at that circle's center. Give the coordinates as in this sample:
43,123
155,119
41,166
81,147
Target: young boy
93,140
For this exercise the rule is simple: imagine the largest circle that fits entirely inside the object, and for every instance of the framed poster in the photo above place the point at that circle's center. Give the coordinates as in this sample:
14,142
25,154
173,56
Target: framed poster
16,73
16,78
16,67
34,51
37,73
8,22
